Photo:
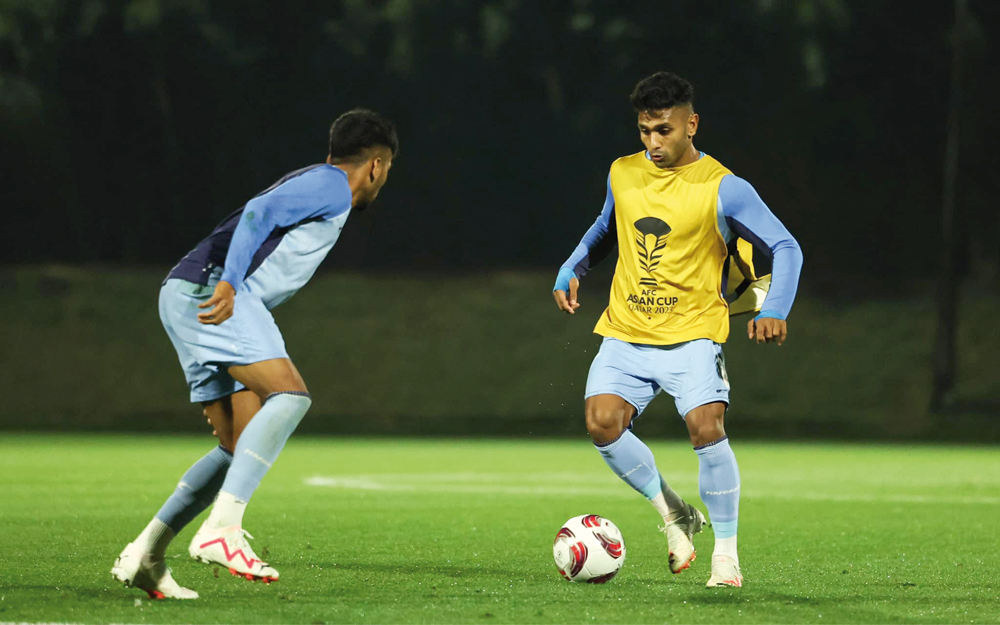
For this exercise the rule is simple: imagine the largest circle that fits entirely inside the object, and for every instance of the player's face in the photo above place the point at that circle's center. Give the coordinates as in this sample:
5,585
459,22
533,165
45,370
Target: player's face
667,134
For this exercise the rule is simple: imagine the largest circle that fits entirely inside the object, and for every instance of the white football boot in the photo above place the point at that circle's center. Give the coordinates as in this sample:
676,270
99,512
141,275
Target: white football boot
134,569
725,572
228,546
680,538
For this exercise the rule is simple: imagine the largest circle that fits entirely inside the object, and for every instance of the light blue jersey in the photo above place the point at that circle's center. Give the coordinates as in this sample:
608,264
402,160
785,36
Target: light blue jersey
267,250
273,245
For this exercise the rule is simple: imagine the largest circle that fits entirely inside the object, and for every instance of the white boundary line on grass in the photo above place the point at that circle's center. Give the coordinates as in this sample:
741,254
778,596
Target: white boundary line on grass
562,485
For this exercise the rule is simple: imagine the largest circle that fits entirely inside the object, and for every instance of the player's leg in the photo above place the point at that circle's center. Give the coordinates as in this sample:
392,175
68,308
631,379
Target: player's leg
719,483
617,391
230,415
703,402
195,491
285,401
199,487
142,563
608,418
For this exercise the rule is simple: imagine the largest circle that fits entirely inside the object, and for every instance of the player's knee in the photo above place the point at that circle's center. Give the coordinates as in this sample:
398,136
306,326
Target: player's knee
705,428
604,423
227,443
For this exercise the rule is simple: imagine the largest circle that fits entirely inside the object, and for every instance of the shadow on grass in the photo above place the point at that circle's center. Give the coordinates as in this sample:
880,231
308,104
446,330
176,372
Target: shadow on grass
77,592
722,596
456,571
128,595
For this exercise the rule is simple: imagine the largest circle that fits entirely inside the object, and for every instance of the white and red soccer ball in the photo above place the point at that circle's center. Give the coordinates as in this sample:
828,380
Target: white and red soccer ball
589,548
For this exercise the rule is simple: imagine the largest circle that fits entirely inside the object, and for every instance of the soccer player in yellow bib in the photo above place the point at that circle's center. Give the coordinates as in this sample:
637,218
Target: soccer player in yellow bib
676,214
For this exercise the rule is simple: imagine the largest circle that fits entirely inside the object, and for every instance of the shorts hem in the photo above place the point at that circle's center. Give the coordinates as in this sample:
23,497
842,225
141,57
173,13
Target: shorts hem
703,402
638,410
252,360
207,395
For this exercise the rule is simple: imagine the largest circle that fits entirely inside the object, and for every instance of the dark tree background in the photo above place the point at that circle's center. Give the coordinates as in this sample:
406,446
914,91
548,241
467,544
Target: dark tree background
130,127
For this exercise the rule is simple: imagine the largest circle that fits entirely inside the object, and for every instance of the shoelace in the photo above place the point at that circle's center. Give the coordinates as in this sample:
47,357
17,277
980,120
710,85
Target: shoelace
246,545
678,523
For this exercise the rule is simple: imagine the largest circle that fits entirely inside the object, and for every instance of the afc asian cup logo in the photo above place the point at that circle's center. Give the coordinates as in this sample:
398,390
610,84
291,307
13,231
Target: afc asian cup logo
650,250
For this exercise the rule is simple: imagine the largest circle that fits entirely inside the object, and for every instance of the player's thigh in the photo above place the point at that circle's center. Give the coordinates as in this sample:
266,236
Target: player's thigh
199,350
694,373
619,370
263,365
247,348
697,379
277,375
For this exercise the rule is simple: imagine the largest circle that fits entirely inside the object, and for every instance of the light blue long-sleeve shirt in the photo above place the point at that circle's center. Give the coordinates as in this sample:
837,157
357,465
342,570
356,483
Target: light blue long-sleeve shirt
741,213
273,245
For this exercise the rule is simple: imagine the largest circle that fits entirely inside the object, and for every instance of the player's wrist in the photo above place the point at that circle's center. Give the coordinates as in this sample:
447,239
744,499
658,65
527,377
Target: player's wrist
230,281
769,314
562,279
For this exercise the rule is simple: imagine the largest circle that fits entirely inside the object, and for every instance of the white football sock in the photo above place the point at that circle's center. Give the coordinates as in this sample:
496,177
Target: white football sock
726,547
227,511
660,503
155,538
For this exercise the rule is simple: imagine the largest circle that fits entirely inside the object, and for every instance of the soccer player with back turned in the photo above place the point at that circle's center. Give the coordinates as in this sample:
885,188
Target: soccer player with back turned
676,214
215,306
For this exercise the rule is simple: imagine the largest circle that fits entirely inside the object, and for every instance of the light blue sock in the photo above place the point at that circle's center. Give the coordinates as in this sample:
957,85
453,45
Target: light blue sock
632,461
262,440
196,490
719,482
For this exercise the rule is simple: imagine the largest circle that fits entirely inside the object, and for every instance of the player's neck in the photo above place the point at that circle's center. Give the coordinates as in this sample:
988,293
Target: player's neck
355,178
690,156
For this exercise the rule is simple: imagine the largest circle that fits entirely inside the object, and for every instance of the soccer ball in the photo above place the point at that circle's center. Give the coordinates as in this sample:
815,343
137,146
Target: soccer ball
589,548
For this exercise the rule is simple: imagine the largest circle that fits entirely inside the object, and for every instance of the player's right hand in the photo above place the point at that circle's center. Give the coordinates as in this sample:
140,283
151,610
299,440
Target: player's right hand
767,330
221,304
566,281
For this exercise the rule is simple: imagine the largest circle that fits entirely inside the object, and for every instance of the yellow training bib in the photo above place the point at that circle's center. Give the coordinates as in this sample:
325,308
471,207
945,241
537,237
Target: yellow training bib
668,280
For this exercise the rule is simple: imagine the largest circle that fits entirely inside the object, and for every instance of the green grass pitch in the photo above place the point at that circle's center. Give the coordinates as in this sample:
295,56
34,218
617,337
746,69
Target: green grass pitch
460,531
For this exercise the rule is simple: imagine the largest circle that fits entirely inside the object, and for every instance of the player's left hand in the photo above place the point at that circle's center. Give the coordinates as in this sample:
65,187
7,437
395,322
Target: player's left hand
767,330
221,302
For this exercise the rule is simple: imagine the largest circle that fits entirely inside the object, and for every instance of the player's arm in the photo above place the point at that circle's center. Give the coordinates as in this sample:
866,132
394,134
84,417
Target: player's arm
595,246
748,217
298,199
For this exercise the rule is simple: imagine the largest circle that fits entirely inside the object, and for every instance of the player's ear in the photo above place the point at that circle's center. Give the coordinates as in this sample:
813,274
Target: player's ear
375,169
692,125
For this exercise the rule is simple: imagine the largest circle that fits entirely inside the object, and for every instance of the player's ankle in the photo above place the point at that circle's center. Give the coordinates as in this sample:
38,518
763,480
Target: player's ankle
726,547
227,511
154,538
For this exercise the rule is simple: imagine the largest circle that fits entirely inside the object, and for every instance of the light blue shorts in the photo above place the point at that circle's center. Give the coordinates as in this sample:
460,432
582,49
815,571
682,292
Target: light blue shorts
694,373
207,351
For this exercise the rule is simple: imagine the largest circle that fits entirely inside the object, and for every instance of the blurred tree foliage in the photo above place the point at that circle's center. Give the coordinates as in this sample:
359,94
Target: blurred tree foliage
130,127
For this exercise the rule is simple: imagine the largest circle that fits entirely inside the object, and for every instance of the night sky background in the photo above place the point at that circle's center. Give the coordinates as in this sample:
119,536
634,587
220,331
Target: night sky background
130,128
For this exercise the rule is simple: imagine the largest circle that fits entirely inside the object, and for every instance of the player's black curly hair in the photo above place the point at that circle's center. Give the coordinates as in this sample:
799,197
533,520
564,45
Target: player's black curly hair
357,130
660,91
